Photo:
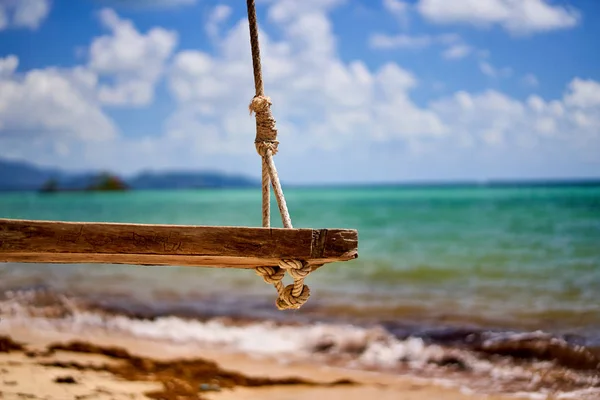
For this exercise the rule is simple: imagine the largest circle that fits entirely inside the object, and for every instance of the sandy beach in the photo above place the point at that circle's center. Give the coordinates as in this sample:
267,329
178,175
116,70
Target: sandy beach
54,365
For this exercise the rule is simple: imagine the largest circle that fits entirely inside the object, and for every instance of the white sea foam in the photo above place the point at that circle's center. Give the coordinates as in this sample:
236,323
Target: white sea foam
357,347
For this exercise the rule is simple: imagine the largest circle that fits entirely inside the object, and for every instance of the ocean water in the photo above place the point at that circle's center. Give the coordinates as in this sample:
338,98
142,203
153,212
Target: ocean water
457,267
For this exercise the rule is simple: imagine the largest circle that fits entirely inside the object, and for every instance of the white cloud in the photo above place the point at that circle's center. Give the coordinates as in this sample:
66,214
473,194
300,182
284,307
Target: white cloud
330,112
318,100
515,16
287,10
57,112
381,41
489,70
400,9
50,105
23,13
492,118
397,7
457,51
134,62
583,93
487,117
218,15
8,66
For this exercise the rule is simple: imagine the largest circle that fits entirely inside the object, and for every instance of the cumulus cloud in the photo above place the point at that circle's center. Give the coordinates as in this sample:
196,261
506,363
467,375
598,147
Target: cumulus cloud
487,117
493,118
8,66
23,13
455,48
319,100
583,93
517,17
132,61
400,9
329,110
286,10
49,106
402,41
457,51
49,112
397,7
218,15
489,70
382,41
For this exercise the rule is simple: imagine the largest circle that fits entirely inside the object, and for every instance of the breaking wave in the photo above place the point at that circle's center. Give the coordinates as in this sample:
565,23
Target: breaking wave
536,363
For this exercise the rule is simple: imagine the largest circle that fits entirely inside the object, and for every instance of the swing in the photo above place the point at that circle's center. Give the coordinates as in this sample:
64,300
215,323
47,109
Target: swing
270,251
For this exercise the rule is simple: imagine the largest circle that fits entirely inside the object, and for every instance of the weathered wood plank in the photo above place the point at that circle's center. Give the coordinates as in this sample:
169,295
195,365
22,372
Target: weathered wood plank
141,244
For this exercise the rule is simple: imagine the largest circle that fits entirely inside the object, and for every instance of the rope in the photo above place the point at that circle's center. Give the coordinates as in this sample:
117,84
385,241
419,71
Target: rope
291,296
295,295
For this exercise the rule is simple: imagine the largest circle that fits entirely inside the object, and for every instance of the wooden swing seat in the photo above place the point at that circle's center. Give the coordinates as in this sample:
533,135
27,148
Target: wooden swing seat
27,241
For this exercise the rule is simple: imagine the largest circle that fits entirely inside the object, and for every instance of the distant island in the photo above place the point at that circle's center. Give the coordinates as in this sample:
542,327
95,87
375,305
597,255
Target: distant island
104,182
23,176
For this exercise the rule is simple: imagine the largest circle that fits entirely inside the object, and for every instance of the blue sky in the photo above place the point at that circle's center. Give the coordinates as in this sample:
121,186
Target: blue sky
362,91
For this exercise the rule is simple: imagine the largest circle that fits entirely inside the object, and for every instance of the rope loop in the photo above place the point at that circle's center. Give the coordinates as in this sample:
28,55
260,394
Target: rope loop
291,264
300,273
270,275
288,300
297,269
292,296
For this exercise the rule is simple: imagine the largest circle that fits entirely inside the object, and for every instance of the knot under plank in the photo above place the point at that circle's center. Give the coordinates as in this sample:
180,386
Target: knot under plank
292,296
288,300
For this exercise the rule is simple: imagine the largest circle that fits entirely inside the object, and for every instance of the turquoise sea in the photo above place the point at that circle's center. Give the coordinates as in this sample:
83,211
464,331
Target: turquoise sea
431,259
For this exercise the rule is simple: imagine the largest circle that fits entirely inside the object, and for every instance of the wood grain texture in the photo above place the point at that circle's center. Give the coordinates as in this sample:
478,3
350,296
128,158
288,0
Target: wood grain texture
140,244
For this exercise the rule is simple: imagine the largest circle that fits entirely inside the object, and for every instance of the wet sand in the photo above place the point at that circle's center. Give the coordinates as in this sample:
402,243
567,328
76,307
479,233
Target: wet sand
53,365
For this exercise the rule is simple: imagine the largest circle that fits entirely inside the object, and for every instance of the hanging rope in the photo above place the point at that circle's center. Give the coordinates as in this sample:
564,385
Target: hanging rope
295,295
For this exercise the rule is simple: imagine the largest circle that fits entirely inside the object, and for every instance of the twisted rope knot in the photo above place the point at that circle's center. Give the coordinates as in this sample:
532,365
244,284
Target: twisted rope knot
297,269
264,147
265,123
288,300
292,296
259,104
291,264
270,275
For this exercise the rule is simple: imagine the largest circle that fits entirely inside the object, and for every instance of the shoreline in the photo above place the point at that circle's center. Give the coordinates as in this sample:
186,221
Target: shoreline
533,365
380,384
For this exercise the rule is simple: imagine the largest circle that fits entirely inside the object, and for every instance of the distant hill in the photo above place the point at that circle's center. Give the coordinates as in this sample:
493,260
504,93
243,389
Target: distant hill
25,176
